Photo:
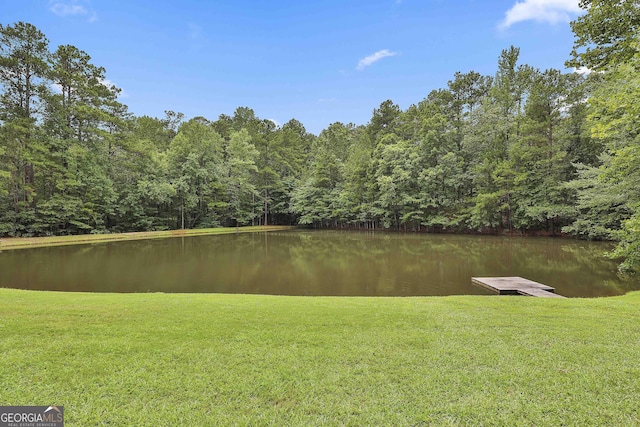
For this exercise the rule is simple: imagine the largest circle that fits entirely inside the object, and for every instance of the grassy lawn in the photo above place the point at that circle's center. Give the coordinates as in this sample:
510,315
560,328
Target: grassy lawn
32,242
182,359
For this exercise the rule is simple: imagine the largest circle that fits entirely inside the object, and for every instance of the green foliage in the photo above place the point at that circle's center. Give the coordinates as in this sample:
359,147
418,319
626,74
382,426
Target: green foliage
196,172
605,35
614,119
241,158
317,199
600,210
629,246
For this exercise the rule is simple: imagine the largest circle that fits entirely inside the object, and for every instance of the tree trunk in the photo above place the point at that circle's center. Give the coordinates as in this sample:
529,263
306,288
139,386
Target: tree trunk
265,206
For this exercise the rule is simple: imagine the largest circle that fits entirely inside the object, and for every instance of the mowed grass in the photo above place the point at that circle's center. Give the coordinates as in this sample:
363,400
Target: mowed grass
32,242
200,360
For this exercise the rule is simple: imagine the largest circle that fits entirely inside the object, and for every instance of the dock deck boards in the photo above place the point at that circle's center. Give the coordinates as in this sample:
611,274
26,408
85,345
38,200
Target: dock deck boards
534,292
516,286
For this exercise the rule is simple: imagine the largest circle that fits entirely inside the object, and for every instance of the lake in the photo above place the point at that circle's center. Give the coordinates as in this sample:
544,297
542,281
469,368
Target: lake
317,263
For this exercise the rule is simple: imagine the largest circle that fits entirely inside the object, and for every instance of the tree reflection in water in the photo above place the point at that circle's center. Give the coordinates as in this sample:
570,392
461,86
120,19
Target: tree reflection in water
317,263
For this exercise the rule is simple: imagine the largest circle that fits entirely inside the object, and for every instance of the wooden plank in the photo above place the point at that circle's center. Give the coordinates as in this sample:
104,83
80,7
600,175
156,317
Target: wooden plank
535,292
515,286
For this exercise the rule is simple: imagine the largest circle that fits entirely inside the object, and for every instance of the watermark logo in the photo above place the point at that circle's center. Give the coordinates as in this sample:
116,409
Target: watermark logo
31,416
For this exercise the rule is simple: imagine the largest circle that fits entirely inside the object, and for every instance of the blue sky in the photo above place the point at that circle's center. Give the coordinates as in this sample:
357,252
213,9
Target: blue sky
316,61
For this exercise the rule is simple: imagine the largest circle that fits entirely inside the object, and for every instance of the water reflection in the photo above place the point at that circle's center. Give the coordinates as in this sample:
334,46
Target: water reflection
316,263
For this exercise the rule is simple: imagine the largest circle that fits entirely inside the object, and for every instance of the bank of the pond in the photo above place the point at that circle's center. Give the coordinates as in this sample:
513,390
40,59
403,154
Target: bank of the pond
36,242
185,359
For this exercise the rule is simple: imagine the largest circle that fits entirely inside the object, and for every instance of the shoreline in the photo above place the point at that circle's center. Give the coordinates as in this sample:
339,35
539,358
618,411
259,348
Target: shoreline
12,243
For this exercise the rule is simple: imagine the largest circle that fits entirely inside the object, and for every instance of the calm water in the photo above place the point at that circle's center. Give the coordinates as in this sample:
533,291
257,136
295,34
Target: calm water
316,263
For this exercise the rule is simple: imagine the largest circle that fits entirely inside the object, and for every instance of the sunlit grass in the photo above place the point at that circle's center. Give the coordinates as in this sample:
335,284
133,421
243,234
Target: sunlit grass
182,359
32,242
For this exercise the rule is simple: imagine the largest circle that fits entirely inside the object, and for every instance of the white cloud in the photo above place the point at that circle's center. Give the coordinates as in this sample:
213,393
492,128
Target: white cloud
195,36
57,88
583,71
368,60
275,122
195,30
111,85
65,9
72,8
549,11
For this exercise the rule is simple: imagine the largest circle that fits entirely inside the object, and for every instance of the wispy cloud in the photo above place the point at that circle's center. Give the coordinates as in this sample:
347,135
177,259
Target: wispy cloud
583,71
549,11
111,85
105,82
195,36
73,8
368,60
275,122
195,31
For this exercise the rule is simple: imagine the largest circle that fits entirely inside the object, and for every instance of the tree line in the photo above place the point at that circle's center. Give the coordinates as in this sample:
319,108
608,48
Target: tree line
522,151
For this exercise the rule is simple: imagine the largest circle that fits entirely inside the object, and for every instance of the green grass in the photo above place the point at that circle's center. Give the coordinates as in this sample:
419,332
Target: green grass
182,359
33,242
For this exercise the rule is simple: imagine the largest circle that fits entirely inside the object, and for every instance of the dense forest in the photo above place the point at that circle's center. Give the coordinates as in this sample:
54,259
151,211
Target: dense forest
524,151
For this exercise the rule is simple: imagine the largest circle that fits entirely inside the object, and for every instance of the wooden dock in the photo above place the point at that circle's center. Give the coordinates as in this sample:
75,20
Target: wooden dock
516,286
